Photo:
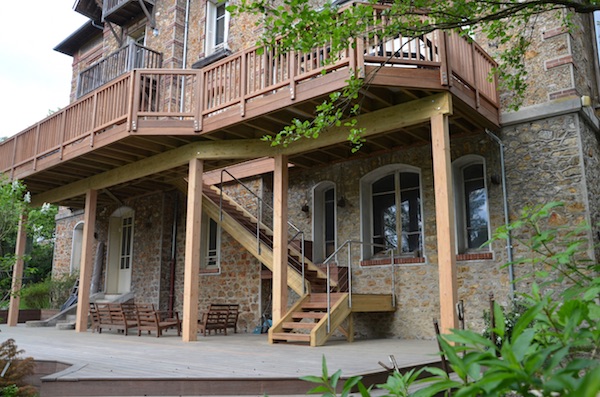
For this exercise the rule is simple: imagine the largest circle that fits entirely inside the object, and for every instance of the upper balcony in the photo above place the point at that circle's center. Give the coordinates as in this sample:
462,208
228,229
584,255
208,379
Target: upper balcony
125,59
121,12
255,92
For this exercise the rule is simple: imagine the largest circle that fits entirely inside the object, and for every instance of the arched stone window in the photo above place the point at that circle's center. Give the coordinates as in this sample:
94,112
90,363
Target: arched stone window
324,221
391,211
76,244
472,213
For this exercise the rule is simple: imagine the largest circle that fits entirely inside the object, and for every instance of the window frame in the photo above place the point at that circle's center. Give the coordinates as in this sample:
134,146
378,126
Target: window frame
319,223
460,202
207,229
366,208
211,25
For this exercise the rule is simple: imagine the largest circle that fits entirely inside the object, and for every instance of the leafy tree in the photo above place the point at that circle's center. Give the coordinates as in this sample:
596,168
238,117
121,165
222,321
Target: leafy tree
301,25
14,200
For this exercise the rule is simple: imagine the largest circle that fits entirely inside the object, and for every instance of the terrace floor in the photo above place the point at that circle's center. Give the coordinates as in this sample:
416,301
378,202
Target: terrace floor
111,364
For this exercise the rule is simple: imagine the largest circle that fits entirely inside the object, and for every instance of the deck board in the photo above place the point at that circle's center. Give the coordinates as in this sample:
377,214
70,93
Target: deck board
239,357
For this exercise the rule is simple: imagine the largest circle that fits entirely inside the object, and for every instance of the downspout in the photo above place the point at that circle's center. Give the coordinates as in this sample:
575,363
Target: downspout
185,51
173,257
509,251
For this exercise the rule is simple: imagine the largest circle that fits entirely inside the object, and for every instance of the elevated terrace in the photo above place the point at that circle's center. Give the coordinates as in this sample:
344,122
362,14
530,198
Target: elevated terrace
146,112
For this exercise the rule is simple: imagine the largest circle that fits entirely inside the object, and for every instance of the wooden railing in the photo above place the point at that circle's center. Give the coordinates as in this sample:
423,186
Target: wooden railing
125,59
168,98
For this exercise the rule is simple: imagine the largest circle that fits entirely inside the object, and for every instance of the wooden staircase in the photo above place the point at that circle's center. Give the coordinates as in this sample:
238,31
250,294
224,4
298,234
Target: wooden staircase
308,321
242,226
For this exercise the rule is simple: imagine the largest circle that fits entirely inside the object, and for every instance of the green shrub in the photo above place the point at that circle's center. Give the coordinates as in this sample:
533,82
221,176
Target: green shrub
36,296
48,294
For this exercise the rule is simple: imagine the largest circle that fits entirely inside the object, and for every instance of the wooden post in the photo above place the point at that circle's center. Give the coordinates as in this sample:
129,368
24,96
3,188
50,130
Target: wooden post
87,261
192,252
280,244
445,223
17,277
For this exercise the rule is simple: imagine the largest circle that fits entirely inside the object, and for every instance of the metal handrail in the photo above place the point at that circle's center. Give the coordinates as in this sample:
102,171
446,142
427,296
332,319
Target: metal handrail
260,202
334,255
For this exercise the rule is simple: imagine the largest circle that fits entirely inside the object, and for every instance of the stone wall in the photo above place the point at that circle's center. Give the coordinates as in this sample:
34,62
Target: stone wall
66,220
416,286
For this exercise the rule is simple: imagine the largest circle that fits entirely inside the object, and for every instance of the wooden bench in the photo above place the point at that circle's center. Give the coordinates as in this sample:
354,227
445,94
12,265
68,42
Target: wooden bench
119,316
149,320
219,317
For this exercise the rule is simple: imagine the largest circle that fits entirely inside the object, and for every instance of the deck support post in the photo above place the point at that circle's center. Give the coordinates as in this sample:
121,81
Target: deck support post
87,261
280,243
193,228
445,222
17,277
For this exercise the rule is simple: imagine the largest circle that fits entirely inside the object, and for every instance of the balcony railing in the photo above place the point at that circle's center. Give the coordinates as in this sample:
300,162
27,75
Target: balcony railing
168,101
125,59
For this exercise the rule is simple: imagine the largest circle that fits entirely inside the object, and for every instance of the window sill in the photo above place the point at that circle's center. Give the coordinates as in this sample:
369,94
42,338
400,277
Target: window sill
475,256
216,270
397,261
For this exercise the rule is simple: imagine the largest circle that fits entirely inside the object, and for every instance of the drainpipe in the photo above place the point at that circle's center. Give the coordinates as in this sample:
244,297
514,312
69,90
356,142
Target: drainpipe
173,257
185,51
509,251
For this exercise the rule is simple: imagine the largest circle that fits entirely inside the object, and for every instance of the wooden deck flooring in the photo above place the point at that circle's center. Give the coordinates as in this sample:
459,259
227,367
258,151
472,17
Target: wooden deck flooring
112,364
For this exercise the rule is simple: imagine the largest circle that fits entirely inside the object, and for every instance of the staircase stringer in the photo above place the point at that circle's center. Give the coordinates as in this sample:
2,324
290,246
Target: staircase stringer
278,326
338,313
248,241
309,265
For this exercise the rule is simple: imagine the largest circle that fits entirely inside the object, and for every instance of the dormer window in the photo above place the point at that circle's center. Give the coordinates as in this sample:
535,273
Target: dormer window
217,26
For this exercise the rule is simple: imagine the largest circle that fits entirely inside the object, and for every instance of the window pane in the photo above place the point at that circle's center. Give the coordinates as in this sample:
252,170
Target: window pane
476,206
220,24
384,221
410,204
383,185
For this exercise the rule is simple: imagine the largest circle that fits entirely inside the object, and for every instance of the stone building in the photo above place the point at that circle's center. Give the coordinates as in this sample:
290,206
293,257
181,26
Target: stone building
131,150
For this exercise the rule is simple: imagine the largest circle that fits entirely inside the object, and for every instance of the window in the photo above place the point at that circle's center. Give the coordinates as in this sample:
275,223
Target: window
324,216
76,245
472,216
210,246
126,242
391,211
217,26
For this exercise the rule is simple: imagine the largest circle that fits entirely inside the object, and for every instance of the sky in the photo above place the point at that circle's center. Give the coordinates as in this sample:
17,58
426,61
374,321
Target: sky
34,78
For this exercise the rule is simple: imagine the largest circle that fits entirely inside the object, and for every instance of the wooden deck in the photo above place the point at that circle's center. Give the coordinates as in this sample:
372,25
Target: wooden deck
246,96
111,364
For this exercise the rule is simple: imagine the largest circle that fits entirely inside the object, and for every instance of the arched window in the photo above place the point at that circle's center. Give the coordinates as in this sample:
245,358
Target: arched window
472,213
324,221
76,245
391,211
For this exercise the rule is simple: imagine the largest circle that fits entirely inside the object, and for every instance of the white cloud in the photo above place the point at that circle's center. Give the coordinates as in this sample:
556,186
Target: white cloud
33,77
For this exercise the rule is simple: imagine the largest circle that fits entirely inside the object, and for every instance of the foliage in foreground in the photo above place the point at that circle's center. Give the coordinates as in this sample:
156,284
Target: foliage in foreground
14,201
17,368
553,347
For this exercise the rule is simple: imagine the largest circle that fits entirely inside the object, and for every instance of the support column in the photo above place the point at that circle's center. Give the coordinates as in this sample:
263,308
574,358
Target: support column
17,277
192,252
87,261
280,243
445,222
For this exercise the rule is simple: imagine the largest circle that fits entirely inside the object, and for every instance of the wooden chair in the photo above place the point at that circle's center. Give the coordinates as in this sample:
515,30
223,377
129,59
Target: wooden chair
213,320
153,320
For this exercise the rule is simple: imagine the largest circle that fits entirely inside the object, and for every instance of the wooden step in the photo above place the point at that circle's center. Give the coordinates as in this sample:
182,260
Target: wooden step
315,305
312,315
298,325
291,337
